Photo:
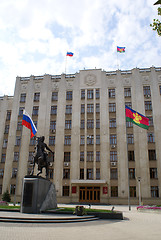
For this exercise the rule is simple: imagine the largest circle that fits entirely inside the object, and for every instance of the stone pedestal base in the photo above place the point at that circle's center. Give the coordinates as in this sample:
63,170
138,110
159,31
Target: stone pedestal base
38,194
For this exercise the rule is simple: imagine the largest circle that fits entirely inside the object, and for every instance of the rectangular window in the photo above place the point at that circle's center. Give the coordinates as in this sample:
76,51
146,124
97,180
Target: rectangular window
19,126
33,141
23,97
67,140
16,156
68,124
97,173
37,97
154,191
21,111
89,94
131,156
82,94
98,123
130,138
3,158
113,173
90,108
12,189
97,139
53,110
113,123
54,96
53,125
82,108
35,111
69,95
8,117
68,109
30,157
14,172
5,141
111,93
150,121
66,191
52,140
90,139
151,138
112,107
132,173
153,173
82,156
113,156
152,155
148,105
127,92
66,173
0,188
97,93
18,140
82,140
128,104
89,173
90,156
82,124
146,90
97,107
132,191
129,124
113,139
82,173
160,89
90,123
51,173
114,191
97,156
1,172
66,156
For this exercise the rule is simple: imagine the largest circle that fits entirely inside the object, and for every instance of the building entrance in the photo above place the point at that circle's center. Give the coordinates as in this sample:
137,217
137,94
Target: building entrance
89,194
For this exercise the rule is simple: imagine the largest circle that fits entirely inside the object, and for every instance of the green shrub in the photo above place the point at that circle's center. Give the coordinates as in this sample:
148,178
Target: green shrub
6,196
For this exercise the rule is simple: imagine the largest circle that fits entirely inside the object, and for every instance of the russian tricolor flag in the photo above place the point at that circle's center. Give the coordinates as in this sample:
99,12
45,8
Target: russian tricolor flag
70,54
27,122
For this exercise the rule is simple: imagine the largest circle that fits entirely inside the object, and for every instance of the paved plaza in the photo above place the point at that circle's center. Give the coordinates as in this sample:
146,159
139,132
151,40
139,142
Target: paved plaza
135,226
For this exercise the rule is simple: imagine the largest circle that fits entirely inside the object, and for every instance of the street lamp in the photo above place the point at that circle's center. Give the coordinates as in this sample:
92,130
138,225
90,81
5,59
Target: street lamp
139,181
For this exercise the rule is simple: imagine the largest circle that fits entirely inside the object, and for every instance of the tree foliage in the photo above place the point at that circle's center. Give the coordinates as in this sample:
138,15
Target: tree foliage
156,23
6,196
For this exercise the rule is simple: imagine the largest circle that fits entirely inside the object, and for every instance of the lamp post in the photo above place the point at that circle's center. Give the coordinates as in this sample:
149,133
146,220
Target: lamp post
139,181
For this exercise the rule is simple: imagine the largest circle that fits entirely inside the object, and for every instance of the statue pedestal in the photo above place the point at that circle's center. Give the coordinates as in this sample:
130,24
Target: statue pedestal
38,194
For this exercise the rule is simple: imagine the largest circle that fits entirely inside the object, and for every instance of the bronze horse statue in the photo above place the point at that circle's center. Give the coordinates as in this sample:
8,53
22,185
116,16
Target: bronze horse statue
41,156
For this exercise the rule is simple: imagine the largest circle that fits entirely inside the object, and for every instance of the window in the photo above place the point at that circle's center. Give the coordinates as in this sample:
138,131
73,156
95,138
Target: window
36,97
12,189
82,108
153,173
54,110
66,156
152,155
19,126
54,96
82,156
14,172
68,109
111,93
66,191
113,156
112,107
132,191
146,90
127,92
113,123
90,156
16,156
0,188
82,94
30,157
128,104
132,173
8,117
69,95
33,141
151,138
150,121
67,140
97,107
90,123
1,172
97,156
98,123
97,173
90,108
129,124
6,131
5,141
160,89
89,94
131,156
114,191
3,158
82,124
130,138
51,173
52,125
148,106
90,139
113,173
154,191
35,111
82,140
113,139
82,173
18,140
66,173
97,93
21,111
68,124
97,139
52,140
23,97
89,173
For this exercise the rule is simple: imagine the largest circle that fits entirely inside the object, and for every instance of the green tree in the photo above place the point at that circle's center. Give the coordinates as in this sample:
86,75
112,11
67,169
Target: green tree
156,23
6,196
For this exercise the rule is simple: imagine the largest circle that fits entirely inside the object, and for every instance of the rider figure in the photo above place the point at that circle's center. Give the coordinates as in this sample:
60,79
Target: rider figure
43,146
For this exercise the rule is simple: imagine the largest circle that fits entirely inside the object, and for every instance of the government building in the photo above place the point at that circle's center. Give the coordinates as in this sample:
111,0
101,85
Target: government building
98,156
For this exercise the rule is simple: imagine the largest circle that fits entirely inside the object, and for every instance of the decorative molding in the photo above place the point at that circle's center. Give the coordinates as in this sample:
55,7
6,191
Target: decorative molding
145,78
37,85
69,84
127,81
55,85
24,86
159,78
90,79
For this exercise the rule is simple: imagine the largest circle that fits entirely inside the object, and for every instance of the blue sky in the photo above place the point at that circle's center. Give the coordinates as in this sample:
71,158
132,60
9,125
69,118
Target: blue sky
36,34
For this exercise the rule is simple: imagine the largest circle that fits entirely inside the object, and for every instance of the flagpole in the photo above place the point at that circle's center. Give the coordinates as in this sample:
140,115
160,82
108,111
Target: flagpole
65,64
117,61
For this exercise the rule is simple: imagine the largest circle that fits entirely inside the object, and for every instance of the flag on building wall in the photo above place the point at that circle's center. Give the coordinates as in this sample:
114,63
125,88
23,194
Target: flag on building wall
136,118
27,122
70,54
120,49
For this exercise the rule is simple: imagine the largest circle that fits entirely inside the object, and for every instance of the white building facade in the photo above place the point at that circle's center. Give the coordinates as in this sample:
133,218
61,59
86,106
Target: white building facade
82,117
